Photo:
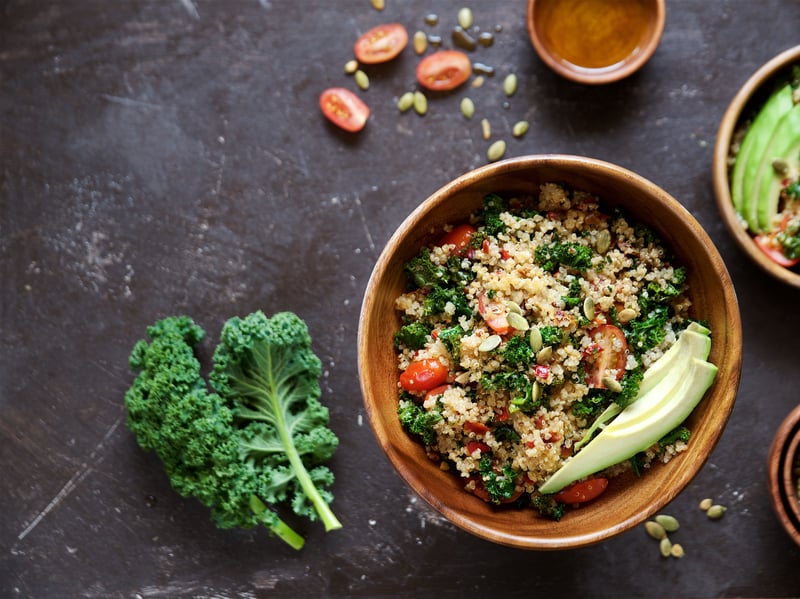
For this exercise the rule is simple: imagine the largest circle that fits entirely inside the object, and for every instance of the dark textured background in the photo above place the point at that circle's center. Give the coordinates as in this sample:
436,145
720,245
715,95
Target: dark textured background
168,156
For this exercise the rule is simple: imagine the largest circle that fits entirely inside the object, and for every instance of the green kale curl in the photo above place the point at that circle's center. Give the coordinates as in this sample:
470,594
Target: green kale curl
572,255
417,421
413,335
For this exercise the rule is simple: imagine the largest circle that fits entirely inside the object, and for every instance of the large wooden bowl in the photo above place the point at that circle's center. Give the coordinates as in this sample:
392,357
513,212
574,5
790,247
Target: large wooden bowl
629,501
783,452
750,97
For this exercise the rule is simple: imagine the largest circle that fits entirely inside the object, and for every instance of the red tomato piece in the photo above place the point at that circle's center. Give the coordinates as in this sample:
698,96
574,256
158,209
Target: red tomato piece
423,375
381,43
611,353
436,391
583,491
769,245
460,237
495,314
478,428
344,109
474,446
444,70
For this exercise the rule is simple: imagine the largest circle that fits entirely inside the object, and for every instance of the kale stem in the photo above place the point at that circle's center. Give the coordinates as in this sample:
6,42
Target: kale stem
276,525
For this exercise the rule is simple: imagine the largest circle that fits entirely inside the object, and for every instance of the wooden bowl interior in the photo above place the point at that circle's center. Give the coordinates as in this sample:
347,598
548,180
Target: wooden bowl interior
628,501
652,36
742,108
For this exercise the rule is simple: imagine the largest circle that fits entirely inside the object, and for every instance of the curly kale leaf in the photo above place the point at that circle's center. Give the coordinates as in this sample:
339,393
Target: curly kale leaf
413,335
572,255
500,484
417,421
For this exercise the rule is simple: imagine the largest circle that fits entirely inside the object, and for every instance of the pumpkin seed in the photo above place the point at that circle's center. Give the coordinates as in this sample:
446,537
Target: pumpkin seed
544,355
420,42
467,107
715,512
510,84
496,150
626,315
420,103
670,523
520,128
665,546
536,339
655,530
490,343
536,392
780,166
588,308
518,321
463,378
362,80
603,241
677,550
465,18
611,384
351,66
378,4
405,102
706,503
513,307
478,81
486,129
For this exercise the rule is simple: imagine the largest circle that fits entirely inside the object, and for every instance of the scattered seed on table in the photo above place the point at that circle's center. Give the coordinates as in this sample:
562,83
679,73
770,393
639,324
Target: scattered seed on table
510,84
486,129
655,530
378,4
670,523
467,107
362,80
351,66
420,42
677,550
478,81
715,512
520,128
665,546
496,150
420,103
465,18
705,503
405,102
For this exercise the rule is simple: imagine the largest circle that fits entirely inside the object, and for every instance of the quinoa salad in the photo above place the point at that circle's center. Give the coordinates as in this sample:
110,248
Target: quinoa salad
520,326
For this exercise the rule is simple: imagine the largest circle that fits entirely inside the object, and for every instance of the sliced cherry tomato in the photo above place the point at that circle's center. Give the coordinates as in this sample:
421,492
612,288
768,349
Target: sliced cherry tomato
381,43
460,237
583,491
770,246
423,375
344,109
443,70
478,428
473,446
610,352
436,391
495,314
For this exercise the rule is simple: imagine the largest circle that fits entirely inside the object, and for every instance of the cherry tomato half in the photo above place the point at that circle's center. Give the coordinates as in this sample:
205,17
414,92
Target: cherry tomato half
479,428
609,351
423,375
344,109
443,70
381,43
495,314
460,237
583,491
770,246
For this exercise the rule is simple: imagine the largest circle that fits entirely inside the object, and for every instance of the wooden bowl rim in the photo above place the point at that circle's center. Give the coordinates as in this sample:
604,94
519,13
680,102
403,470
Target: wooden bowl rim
606,75
783,447
727,128
724,389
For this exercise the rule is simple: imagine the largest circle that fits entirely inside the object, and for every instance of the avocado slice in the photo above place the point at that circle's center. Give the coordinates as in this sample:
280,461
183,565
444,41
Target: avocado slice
786,146
677,386
751,151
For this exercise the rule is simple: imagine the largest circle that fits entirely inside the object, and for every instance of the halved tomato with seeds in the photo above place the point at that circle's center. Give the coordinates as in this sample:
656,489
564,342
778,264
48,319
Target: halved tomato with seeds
444,70
381,43
344,109
606,355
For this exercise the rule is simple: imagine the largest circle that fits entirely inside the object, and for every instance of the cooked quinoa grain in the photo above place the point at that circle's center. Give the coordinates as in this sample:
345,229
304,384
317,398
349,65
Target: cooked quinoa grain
505,415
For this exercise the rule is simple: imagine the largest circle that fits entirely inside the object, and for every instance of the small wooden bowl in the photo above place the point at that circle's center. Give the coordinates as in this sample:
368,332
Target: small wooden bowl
783,452
629,501
547,34
748,99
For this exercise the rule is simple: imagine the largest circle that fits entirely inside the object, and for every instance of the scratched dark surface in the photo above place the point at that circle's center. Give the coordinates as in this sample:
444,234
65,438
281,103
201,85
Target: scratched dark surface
168,156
